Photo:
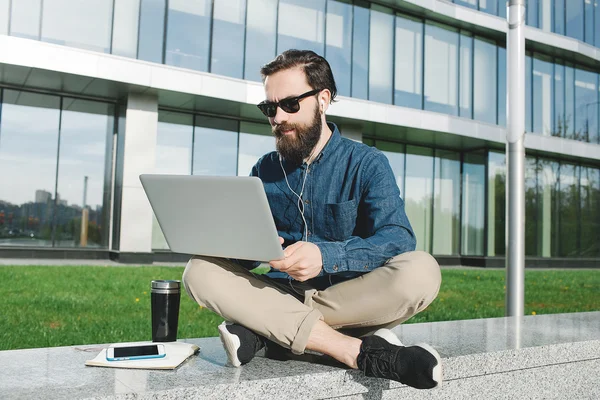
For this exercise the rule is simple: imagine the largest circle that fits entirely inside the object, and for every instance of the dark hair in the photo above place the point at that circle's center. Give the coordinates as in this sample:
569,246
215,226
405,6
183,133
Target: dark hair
316,68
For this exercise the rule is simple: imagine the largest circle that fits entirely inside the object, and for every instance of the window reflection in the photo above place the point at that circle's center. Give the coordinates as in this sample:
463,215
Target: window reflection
574,19
227,56
408,63
586,109
590,211
547,209
381,57
473,215
152,24
215,146
502,86
301,25
419,193
569,211
188,34
338,48
173,156
496,198
360,53
465,77
25,18
4,16
256,140
261,26
484,82
441,69
446,203
27,198
125,28
86,27
542,95
81,218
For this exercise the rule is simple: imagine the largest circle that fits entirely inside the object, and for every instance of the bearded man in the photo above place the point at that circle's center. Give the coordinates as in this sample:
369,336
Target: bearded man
350,272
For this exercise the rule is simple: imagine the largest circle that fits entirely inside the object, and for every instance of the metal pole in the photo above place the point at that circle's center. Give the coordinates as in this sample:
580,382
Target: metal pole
515,156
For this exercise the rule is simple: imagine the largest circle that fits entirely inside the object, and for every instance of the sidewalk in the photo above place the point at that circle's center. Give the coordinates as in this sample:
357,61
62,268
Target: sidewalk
535,357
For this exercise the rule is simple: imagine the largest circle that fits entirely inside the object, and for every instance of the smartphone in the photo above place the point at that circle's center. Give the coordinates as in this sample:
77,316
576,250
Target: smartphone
122,353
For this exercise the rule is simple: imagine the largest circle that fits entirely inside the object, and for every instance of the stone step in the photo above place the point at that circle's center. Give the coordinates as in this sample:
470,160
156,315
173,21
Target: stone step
544,356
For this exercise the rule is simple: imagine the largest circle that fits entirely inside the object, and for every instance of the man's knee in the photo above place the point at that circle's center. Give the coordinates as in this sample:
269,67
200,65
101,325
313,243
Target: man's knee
196,278
417,278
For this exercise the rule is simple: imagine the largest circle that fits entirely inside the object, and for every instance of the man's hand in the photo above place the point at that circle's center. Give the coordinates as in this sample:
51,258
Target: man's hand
302,261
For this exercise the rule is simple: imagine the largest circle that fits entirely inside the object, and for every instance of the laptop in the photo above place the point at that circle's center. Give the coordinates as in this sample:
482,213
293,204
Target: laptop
219,216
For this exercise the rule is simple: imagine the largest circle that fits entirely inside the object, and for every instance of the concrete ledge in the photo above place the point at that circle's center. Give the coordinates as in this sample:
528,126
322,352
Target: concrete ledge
548,356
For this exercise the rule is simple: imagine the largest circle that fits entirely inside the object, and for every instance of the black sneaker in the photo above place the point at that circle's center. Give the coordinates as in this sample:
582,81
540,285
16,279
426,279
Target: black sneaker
240,343
418,366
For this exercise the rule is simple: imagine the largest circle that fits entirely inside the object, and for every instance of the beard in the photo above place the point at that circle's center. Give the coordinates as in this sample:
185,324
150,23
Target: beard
298,146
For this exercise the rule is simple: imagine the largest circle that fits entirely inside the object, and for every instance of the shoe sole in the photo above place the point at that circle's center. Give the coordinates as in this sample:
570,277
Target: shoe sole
231,343
389,336
437,370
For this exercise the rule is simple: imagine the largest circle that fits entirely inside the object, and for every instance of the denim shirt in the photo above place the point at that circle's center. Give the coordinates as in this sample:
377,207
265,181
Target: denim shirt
352,206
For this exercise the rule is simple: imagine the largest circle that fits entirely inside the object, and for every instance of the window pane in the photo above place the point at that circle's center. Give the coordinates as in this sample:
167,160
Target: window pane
441,69
473,212
502,5
569,210
597,24
501,86
4,11
408,63
25,19
546,14
301,25
484,81
559,16
173,156
570,102
547,210
188,34
82,190
531,205
256,140
496,204
467,3
446,204
466,76
338,48
590,212
531,7
28,165
261,26
574,18
589,21
381,57
395,155
125,29
528,94
559,128
215,146
360,53
228,38
542,96
489,6
87,26
419,193
152,23
586,99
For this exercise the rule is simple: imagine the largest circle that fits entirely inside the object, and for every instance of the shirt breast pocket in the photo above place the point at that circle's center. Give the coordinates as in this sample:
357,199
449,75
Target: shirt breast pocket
340,220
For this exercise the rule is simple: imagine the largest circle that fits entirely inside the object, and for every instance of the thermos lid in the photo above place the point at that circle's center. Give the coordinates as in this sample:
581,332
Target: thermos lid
166,285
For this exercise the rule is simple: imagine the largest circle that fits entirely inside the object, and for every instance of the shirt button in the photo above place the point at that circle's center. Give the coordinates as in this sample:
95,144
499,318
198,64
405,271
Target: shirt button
308,233
366,267
335,267
306,201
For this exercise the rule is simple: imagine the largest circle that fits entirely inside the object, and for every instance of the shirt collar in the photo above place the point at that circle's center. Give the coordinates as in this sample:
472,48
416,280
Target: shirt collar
331,144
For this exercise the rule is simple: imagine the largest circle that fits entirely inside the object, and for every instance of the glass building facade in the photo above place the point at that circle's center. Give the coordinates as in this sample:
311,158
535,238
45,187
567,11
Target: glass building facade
60,172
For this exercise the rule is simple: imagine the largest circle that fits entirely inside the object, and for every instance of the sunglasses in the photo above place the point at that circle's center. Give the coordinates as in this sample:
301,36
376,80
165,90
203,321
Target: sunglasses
290,105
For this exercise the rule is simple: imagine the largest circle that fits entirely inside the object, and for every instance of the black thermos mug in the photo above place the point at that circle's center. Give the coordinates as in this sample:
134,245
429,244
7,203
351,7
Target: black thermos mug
164,298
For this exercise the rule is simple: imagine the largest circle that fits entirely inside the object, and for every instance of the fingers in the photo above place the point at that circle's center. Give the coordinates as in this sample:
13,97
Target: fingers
281,240
291,249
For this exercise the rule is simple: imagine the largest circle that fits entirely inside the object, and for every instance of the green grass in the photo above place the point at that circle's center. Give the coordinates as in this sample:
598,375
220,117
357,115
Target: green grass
70,305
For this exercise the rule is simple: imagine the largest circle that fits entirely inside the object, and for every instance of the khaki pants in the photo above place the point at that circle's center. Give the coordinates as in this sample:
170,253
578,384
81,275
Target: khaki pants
384,297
